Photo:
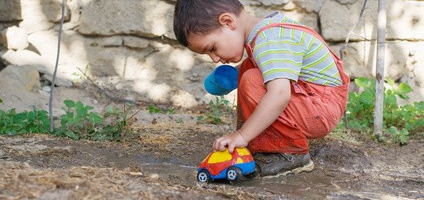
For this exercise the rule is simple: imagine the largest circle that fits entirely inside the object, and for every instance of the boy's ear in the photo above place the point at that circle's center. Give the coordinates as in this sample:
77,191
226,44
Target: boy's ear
227,19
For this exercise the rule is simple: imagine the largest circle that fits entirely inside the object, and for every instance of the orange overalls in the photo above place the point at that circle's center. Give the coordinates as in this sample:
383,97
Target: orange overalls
313,110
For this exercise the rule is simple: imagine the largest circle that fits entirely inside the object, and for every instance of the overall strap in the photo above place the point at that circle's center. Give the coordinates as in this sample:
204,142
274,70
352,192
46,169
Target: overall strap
292,26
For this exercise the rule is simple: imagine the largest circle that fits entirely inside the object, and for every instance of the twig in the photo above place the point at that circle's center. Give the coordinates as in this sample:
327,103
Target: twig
345,45
55,68
104,91
351,30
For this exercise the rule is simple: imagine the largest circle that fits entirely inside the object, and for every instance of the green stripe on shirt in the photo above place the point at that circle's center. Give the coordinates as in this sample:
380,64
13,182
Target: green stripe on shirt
272,51
282,60
277,43
320,60
280,70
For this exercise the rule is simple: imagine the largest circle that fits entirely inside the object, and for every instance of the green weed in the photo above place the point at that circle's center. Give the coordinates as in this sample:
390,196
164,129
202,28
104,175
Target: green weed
217,109
12,123
400,121
153,109
79,122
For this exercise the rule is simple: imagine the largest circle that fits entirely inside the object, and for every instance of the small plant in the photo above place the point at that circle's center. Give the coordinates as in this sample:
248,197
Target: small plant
218,108
399,136
400,121
12,123
79,122
170,111
80,76
153,109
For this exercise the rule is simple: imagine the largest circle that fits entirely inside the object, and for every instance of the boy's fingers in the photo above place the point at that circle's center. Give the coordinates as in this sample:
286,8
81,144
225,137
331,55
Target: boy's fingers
231,147
222,144
216,144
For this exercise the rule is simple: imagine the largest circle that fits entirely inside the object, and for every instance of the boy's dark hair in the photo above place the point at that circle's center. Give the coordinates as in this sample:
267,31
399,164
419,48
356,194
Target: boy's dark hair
200,16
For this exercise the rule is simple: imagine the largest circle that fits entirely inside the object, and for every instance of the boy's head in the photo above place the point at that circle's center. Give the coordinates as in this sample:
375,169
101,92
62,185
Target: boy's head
201,16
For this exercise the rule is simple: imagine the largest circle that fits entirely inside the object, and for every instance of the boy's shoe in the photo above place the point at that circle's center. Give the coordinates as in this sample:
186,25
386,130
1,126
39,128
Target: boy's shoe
277,164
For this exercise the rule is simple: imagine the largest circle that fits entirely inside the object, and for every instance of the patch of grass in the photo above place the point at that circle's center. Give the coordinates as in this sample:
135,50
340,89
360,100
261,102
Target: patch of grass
79,122
13,123
399,122
344,134
153,109
217,110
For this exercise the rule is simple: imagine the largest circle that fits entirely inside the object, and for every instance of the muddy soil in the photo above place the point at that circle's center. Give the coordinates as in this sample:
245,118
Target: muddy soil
159,161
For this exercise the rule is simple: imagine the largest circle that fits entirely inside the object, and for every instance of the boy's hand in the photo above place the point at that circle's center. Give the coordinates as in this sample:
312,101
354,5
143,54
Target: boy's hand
231,140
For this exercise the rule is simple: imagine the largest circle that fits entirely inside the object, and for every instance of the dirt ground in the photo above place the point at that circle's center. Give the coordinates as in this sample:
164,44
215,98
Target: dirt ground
159,161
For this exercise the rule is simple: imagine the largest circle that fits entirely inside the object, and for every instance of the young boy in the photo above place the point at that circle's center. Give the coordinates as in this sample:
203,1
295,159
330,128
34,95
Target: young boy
291,86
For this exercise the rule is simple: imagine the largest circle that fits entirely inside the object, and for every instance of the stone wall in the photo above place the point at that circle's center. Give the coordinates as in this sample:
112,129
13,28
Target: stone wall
128,46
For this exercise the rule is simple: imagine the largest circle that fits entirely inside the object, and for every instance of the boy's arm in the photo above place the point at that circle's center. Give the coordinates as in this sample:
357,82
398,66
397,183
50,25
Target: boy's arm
266,112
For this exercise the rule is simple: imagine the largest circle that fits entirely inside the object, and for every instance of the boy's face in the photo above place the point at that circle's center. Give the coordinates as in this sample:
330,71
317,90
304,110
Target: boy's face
225,44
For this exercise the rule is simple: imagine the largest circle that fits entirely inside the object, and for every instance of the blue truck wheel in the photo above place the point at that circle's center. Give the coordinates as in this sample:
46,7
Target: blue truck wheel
203,176
234,174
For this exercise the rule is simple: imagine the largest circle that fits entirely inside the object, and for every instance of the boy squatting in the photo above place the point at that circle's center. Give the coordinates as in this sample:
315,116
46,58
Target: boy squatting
291,87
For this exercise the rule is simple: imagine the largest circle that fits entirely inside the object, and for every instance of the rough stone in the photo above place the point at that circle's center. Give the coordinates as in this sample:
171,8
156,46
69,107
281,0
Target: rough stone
136,42
14,38
184,99
40,15
310,6
147,18
73,54
22,77
59,81
50,10
337,28
405,21
10,11
114,41
402,20
24,57
274,2
308,19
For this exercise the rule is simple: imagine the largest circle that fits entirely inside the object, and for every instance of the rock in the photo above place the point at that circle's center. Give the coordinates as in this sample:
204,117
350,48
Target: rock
59,81
43,10
73,53
22,77
47,88
184,99
114,41
25,57
136,42
14,38
43,13
10,11
402,20
405,21
127,17
274,2
310,6
337,28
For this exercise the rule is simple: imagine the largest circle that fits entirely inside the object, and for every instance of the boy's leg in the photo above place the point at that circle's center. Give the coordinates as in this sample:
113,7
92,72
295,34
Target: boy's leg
283,136
287,137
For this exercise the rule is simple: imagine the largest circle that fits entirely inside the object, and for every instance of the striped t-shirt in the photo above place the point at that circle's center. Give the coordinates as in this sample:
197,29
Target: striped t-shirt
292,54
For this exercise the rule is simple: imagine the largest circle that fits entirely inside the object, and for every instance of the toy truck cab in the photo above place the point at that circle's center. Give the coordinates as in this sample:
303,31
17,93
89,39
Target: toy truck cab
225,165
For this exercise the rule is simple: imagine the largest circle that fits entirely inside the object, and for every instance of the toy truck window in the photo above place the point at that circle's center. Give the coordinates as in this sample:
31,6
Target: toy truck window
219,156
